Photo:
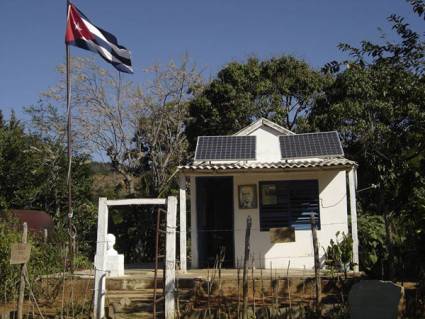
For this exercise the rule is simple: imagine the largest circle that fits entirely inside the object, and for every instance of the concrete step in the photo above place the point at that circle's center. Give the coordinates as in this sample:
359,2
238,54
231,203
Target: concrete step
137,315
131,298
134,315
147,291
129,283
135,307
145,294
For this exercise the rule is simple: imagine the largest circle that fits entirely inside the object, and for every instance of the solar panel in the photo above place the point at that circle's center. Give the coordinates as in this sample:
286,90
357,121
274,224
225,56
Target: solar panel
212,148
321,144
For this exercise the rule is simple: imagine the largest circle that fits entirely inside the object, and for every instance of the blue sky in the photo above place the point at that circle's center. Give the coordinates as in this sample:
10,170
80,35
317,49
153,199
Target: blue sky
212,32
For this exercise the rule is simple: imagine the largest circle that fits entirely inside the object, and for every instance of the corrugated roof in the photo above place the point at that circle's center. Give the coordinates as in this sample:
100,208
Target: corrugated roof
283,165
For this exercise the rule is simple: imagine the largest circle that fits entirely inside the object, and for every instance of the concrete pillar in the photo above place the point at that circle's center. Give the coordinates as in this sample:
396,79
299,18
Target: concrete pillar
353,212
170,258
100,260
183,232
193,223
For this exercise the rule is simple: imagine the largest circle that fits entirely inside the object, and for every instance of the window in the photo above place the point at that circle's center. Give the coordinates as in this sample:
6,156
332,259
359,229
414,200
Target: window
289,204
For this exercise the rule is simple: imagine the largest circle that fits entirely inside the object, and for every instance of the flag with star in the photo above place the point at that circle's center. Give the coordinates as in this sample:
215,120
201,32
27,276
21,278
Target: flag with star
80,32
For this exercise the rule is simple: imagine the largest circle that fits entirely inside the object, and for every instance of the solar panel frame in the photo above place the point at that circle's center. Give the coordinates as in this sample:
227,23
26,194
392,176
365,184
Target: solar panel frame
226,148
310,145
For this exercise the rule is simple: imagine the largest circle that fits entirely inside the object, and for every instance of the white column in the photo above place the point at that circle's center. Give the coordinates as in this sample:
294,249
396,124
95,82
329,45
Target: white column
193,223
170,257
183,233
100,260
353,212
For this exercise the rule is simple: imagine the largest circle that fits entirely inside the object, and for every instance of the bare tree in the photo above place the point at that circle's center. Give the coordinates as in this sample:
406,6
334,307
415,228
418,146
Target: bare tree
139,128
162,126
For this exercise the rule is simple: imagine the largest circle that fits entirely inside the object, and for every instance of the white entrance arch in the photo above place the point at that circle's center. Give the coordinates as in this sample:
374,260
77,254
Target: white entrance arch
170,251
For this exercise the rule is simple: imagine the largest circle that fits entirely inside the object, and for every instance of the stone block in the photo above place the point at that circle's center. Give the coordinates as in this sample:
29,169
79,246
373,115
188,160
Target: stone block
115,265
375,299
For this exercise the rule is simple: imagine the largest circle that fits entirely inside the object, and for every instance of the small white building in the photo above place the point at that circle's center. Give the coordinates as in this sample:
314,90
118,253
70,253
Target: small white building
280,179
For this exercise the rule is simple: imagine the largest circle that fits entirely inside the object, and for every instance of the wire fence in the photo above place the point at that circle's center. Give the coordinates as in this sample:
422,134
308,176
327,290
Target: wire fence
208,230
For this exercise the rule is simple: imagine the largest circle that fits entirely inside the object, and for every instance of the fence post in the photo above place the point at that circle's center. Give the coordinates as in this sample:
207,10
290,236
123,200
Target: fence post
170,258
100,260
316,260
245,270
22,280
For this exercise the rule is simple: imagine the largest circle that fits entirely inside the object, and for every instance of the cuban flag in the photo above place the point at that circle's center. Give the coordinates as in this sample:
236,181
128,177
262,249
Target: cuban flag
81,33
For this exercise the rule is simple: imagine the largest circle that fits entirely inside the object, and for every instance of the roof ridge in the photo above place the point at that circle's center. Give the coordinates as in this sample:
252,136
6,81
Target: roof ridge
266,122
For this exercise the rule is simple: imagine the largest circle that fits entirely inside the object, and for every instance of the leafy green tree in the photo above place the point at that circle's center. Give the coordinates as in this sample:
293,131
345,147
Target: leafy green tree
1,119
282,89
33,175
377,104
20,176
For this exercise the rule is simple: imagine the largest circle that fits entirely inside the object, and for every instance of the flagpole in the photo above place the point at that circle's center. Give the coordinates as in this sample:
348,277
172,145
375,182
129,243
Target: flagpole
69,145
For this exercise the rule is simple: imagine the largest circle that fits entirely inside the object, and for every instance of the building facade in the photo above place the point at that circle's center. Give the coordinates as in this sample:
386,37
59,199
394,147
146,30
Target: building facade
283,181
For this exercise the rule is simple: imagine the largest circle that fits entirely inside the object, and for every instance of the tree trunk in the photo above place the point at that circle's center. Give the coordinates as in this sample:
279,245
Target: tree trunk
129,184
389,238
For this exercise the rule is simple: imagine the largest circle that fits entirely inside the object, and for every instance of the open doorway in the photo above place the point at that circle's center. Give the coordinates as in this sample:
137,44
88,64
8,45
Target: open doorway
214,208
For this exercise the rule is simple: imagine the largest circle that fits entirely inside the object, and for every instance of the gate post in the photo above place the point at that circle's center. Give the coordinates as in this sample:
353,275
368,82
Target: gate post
183,249
100,260
170,258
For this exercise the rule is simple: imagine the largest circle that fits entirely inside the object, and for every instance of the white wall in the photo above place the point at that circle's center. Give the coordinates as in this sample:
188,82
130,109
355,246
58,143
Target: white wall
268,148
333,217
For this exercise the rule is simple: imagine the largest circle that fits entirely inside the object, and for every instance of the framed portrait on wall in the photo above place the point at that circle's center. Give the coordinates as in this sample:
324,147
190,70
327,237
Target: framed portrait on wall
247,196
268,194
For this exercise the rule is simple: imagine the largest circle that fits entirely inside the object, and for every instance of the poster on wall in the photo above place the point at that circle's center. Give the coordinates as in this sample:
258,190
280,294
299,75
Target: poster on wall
282,235
268,194
247,196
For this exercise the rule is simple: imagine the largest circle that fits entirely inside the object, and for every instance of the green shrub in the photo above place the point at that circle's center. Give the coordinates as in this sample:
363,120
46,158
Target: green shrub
9,274
372,246
339,253
46,257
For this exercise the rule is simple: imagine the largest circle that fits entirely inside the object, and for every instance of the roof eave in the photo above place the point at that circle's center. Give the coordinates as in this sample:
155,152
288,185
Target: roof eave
189,172
224,169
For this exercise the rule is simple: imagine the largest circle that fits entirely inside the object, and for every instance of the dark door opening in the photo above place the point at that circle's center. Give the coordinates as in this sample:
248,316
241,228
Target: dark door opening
214,206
